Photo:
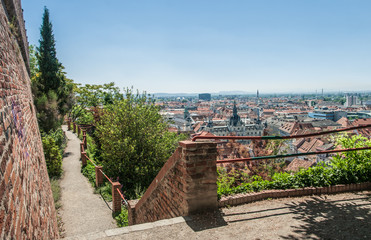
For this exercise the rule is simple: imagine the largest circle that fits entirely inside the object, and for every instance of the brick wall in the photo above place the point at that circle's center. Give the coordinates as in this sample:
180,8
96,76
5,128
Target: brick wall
14,13
26,203
186,184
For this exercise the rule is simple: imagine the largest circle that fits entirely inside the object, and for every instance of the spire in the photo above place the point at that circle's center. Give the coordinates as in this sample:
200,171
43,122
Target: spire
234,109
235,118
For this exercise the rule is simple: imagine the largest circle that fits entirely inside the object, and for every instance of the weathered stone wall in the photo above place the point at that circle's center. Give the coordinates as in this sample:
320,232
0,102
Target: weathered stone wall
26,203
186,184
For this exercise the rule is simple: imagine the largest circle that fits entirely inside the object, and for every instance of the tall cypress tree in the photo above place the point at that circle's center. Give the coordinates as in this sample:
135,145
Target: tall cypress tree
52,90
49,65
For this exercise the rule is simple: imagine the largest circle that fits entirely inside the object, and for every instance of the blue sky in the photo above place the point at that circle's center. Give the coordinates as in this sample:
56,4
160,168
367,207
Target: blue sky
196,46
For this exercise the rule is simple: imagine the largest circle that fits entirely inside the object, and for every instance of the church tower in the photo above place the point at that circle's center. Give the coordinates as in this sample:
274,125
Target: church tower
235,119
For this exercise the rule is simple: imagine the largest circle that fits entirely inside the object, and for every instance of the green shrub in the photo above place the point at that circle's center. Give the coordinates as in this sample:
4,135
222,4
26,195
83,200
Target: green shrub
105,190
89,172
122,218
92,148
53,156
138,191
59,138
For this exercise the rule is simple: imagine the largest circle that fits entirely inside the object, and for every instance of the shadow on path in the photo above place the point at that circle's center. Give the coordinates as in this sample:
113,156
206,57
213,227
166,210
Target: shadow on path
315,218
207,220
321,219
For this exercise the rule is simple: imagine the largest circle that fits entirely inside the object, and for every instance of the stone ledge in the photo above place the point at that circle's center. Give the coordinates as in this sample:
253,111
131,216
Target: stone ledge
130,229
243,198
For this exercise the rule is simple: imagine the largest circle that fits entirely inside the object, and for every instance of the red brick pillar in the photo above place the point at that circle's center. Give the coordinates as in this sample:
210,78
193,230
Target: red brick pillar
84,139
83,158
69,124
200,175
116,198
82,152
185,185
74,127
98,176
82,149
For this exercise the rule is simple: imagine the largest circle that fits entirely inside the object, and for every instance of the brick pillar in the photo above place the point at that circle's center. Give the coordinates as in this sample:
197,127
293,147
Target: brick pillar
131,212
83,158
200,175
84,139
69,124
185,185
116,198
74,127
82,149
98,176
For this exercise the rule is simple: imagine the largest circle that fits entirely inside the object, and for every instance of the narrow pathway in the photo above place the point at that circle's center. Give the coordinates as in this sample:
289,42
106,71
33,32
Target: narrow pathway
82,211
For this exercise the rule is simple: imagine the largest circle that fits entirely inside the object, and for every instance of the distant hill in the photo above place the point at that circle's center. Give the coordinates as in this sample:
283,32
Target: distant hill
234,93
196,94
175,94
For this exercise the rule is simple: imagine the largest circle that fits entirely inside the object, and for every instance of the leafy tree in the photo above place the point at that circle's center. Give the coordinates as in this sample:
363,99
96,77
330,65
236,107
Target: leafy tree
90,97
134,140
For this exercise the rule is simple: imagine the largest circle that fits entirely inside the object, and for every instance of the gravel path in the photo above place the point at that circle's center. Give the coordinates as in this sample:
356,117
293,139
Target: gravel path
82,211
340,216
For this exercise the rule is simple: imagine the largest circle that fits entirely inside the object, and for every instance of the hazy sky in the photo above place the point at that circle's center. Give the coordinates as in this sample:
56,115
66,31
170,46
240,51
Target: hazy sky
211,45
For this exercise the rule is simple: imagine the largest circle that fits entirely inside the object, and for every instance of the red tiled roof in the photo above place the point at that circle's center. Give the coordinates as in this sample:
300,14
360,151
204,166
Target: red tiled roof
362,121
297,163
197,126
310,146
288,127
344,122
205,133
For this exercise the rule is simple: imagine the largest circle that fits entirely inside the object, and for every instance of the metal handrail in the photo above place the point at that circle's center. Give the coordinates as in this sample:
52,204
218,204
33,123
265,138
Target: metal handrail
122,196
280,137
290,155
106,176
90,159
285,137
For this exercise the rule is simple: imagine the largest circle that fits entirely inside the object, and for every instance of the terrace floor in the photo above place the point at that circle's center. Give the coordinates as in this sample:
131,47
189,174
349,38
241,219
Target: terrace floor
340,216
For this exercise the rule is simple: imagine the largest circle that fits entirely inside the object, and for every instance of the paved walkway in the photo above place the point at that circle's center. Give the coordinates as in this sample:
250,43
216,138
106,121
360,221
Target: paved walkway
82,211
340,216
